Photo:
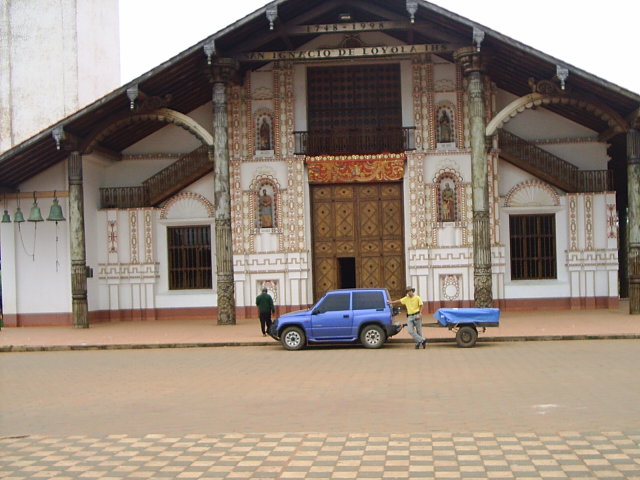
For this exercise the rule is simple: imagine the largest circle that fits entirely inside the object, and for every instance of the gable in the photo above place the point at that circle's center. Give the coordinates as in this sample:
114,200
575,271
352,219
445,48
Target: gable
182,84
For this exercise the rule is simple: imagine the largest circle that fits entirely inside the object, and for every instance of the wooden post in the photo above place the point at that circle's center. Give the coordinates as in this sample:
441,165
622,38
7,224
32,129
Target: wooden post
79,310
633,226
473,69
223,72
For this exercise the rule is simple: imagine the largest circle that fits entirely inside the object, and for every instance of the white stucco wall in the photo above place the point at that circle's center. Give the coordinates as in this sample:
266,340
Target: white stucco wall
570,141
36,266
169,139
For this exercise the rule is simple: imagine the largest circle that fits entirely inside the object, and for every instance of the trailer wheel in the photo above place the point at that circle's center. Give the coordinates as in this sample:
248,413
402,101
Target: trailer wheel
372,336
293,338
466,336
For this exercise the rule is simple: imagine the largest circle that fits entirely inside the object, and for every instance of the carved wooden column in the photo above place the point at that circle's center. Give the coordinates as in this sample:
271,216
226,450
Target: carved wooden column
472,65
633,226
79,308
223,71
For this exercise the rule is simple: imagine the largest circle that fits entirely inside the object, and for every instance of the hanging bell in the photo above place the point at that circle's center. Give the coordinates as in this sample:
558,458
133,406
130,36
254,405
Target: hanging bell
55,213
5,217
35,215
18,217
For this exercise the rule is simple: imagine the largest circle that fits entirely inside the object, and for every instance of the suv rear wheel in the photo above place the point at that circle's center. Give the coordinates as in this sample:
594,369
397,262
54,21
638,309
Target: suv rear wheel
372,336
293,338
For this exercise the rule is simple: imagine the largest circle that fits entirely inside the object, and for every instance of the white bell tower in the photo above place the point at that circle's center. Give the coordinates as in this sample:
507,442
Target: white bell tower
56,56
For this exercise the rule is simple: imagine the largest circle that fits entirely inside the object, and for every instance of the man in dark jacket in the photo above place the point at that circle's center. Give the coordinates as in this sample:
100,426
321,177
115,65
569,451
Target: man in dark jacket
265,309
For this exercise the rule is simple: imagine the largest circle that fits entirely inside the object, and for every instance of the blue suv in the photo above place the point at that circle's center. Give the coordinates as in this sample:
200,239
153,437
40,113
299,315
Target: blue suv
359,314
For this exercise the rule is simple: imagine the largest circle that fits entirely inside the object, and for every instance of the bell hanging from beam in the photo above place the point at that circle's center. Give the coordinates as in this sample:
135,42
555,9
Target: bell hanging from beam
18,217
55,213
35,215
6,218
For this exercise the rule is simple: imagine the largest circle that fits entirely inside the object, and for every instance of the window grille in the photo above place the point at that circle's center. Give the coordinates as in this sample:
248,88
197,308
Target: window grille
189,257
354,109
533,247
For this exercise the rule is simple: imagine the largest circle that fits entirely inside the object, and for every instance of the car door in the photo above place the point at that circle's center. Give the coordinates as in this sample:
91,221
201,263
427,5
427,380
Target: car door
331,318
369,305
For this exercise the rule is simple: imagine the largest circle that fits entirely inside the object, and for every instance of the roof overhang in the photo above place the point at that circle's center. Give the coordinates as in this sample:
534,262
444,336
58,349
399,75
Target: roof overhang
183,83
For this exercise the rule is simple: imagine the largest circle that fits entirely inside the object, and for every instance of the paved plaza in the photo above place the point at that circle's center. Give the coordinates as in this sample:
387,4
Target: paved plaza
482,455
554,409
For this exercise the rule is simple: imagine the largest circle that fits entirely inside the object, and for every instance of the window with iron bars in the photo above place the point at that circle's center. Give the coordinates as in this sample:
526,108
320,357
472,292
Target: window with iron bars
189,257
533,247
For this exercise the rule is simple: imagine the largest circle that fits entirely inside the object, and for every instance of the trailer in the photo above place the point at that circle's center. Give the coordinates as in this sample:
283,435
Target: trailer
466,322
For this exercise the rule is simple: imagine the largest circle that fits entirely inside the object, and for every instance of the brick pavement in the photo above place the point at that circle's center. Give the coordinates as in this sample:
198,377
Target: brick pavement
510,450
484,455
562,324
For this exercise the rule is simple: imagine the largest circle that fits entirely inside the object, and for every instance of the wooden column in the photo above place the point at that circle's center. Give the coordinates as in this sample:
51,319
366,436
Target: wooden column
77,243
633,226
472,66
223,71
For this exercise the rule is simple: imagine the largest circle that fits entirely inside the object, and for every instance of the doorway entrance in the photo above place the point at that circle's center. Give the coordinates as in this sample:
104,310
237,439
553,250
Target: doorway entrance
358,237
346,272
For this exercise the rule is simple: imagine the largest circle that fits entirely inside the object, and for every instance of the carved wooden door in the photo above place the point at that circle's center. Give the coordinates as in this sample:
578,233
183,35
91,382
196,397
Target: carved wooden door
363,222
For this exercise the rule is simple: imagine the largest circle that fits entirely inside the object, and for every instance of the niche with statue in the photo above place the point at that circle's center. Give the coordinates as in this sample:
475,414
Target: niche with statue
266,206
447,199
445,128
264,135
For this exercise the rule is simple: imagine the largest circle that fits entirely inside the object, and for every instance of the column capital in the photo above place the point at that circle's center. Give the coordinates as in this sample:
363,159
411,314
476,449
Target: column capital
74,167
224,70
470,59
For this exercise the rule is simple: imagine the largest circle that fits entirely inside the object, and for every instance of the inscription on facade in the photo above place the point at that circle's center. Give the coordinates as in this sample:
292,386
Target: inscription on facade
333,53
347,27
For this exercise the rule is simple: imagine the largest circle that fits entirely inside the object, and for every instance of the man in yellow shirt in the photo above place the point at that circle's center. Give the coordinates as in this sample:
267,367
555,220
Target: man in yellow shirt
413,304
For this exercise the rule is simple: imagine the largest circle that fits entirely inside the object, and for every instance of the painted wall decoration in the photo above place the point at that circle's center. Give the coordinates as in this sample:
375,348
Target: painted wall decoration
356,168
612,221
264,132
112,236
450,287
272,288
266,204
187,205
445,124
447,199
531,193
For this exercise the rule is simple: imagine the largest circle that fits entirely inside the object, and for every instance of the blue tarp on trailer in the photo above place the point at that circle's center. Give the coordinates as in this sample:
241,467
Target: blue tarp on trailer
478,316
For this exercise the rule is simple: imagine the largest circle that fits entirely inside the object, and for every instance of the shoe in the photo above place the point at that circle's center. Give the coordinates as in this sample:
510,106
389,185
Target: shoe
424,344
418,345
264,334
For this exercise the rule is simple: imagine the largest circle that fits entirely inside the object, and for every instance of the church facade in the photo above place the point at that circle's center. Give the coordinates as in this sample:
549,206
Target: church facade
314,146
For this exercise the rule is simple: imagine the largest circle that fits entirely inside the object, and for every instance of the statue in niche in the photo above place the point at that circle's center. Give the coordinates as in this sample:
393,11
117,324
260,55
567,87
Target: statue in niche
447,203
445,133
264,134
265,210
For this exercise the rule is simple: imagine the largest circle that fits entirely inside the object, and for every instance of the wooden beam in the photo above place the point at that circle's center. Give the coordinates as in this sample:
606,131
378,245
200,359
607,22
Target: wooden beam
282,33
39,195
107,153
257,40
633,119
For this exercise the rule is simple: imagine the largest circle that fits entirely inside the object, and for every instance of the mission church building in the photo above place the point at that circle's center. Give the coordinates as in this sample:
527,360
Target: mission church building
317,145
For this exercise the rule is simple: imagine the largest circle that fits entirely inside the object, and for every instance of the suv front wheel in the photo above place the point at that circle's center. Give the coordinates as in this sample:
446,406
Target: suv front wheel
293,338
372,336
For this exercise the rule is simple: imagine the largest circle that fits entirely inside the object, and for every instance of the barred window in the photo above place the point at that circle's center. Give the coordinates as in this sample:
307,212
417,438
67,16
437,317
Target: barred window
533,247
189,257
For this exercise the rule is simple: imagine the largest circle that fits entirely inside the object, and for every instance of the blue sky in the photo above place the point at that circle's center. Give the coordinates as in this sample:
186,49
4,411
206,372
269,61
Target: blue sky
601,42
